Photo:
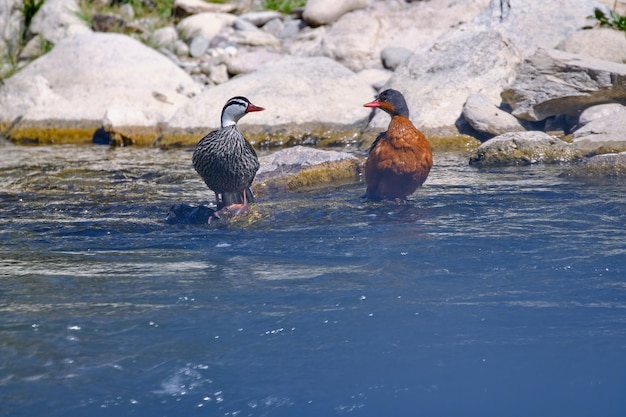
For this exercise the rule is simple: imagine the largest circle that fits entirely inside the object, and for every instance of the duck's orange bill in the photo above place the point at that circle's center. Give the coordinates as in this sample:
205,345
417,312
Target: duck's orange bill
252,107
374,103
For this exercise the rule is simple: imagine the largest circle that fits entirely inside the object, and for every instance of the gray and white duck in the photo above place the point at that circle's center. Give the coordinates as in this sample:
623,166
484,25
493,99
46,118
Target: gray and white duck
226,161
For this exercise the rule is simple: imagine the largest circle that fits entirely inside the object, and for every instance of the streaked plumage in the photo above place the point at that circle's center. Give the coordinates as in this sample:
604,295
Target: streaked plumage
225,160
400,158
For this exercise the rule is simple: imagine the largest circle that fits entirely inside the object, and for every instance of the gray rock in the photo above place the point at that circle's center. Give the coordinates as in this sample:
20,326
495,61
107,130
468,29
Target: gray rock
105,69
254,38
486,117
523,148
597,112
323,12
261,18
244,25
11,28
219,74
291,28
127,12
437,82
553,83
274,27
606,132
164,38
295,158
601,43
306,99
611,165
247,62
57,20
198,46
392,57
181,48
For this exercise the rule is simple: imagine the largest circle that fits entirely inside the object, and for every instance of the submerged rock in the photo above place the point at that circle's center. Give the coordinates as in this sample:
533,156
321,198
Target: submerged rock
605,166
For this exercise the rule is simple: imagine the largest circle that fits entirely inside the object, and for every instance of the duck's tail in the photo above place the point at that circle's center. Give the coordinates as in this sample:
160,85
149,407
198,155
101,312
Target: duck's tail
229,199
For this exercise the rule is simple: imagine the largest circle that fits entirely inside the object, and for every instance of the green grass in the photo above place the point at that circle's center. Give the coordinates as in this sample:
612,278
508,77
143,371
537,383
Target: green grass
284,6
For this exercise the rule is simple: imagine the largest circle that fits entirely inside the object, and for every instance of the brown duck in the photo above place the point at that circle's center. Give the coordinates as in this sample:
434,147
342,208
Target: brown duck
400,158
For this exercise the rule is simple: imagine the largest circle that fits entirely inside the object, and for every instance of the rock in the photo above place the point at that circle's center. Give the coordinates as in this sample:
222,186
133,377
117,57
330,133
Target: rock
11,28
358,38
553,83
602,43
244,25
261,18
254,38
33,49
198,46
127,12
537,24
618,5
291,28
392,57
437,82
188,214
323,12
597,112
603,135
164,38
274,27
247,62
205,24
486,117
108,23
303,167
58,19
307,100
523,148
219,74
55,99
190,7
607,166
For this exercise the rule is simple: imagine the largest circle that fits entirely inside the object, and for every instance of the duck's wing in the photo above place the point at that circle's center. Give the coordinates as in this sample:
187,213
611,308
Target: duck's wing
378,138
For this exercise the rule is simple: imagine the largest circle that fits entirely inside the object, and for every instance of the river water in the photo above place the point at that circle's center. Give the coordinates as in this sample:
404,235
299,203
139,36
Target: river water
494,292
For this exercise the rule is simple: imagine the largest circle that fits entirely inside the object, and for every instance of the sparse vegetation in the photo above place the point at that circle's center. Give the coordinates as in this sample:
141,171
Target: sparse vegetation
613,20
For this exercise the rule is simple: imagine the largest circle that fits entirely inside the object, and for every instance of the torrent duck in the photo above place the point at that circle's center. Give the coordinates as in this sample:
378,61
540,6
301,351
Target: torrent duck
226,161
400,158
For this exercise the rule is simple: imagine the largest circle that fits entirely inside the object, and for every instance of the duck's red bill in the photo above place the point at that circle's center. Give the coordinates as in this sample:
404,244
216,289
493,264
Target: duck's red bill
252,107
374,103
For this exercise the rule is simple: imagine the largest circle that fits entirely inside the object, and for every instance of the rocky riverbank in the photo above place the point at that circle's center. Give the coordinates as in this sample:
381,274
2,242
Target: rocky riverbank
518,76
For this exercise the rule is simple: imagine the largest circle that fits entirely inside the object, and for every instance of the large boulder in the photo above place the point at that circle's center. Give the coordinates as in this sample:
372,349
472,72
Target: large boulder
485,117
553,82
65,94
307,100
523,148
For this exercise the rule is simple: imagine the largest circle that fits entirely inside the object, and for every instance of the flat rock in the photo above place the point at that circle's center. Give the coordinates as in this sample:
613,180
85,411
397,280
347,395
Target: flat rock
55,98
486,117
523,148
601,43
307,100
323,12
190,7
552,82
247,62
605,134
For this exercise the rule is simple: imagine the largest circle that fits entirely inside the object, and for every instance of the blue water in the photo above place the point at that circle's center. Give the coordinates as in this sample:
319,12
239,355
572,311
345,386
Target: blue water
494,292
